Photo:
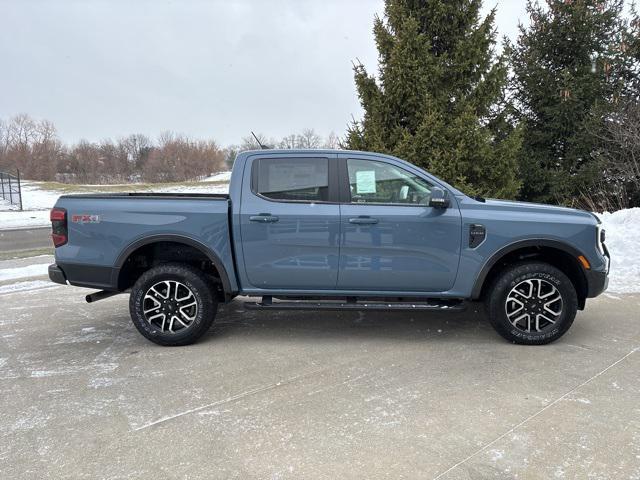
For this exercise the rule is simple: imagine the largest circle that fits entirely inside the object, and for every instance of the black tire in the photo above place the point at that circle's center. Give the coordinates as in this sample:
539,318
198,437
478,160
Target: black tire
201,306
504,300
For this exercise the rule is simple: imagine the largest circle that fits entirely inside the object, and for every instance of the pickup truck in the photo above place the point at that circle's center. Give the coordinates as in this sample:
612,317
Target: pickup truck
330,230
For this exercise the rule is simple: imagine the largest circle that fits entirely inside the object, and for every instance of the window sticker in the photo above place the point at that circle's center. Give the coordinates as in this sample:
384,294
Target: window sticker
365,181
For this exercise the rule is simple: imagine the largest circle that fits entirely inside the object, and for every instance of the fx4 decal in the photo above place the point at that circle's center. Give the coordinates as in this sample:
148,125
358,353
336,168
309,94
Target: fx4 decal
85,219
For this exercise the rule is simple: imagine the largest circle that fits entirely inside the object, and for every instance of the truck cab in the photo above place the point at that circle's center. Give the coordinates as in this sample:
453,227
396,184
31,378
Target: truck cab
358,225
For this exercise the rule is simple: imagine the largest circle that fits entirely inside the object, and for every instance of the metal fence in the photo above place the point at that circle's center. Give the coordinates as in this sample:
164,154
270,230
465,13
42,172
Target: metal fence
10,188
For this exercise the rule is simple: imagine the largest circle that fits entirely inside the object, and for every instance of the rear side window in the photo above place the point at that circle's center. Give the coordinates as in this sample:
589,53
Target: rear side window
297,179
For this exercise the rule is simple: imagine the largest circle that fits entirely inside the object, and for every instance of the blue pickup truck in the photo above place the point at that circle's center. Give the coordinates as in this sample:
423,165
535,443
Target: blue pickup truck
334,230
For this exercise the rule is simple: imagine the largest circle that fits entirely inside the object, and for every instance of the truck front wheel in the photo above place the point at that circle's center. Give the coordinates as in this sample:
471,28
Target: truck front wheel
532,303
172,304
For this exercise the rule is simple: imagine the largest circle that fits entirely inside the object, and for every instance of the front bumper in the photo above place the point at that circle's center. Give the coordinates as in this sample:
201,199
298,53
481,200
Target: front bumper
56,274
598,280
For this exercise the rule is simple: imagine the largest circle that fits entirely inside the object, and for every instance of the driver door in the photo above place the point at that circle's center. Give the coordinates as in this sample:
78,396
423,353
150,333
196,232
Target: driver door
392,240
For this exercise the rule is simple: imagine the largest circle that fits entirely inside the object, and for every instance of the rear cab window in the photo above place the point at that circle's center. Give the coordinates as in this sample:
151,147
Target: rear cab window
292,179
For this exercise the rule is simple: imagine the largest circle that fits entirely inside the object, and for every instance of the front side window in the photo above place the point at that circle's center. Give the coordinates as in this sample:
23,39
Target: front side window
379,182
293,179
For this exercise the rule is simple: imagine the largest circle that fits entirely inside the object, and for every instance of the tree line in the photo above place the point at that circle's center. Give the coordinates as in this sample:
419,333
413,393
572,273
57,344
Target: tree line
33,147
552,118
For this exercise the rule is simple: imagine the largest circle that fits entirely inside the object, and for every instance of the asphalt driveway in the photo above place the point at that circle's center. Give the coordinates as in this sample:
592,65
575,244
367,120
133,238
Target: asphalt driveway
313,395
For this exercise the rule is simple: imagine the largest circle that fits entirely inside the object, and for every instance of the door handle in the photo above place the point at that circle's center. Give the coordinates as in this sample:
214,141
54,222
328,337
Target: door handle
363,220
264,218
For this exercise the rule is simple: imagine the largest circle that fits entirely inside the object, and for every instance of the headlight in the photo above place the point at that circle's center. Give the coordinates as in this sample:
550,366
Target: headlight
600,237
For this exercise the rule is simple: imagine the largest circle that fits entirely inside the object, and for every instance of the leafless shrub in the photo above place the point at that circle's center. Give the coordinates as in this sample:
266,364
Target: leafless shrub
621,153
602,198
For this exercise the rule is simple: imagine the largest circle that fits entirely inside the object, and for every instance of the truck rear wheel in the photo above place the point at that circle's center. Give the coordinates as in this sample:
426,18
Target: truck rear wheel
173,304
532,303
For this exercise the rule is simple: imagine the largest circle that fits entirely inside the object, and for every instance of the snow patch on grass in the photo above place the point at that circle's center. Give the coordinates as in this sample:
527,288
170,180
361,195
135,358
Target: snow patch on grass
26,287
30,219
219,177
33,198
24,272
204,188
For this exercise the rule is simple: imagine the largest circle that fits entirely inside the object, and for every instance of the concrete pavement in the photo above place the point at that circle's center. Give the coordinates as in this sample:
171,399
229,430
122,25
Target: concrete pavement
314,395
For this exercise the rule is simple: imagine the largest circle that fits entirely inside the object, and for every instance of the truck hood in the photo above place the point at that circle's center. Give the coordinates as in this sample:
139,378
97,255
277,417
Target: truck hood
510,205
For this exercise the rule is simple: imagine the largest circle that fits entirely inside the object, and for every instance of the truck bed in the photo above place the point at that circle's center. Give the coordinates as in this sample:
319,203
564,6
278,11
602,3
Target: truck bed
208,196
105,228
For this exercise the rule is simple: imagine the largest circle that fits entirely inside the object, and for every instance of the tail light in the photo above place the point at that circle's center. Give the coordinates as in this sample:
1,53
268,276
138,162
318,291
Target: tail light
59,232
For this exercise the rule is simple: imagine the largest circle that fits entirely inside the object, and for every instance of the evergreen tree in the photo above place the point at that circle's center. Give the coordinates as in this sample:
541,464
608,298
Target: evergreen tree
633,36
438,97
571,66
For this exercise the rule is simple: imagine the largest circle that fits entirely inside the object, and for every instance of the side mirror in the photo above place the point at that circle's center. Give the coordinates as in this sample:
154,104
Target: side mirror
439,198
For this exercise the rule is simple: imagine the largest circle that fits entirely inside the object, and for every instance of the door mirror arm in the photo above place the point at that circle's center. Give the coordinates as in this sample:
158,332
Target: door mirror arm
439,198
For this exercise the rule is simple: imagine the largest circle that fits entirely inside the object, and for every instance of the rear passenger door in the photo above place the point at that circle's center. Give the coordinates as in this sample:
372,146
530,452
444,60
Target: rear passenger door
290,222
392,240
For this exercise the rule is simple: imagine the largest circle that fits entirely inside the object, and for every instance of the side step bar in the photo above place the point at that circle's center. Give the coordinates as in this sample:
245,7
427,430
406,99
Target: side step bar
267,303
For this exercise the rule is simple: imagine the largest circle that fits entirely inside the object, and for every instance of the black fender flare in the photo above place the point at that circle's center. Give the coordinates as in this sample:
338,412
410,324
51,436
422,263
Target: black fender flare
532,242
211,255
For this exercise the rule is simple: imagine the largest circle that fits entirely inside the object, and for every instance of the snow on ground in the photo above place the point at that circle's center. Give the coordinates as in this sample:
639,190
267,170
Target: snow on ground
24,272
36,203
219,177
26,219
33,198
27,286
222,188
623,242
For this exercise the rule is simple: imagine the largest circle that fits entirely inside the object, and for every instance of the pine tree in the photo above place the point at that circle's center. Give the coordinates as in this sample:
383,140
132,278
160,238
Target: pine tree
633,45
438,99
571,66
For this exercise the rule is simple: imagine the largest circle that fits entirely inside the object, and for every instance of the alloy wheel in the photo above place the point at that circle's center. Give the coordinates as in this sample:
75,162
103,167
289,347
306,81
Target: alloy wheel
533,305
170,306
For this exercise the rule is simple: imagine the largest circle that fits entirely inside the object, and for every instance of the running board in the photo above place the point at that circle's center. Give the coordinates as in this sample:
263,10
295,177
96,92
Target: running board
433,305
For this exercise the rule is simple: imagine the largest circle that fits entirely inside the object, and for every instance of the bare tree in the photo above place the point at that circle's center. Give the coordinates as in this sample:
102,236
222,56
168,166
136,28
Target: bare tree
179,158
622,141
4,138
289,142
332,141
22,130
309,139
4,144
230,154
29,145
137,148
250,143
45,151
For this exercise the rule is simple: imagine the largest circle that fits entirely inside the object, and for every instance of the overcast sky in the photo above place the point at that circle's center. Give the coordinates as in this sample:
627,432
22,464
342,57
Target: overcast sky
210,69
